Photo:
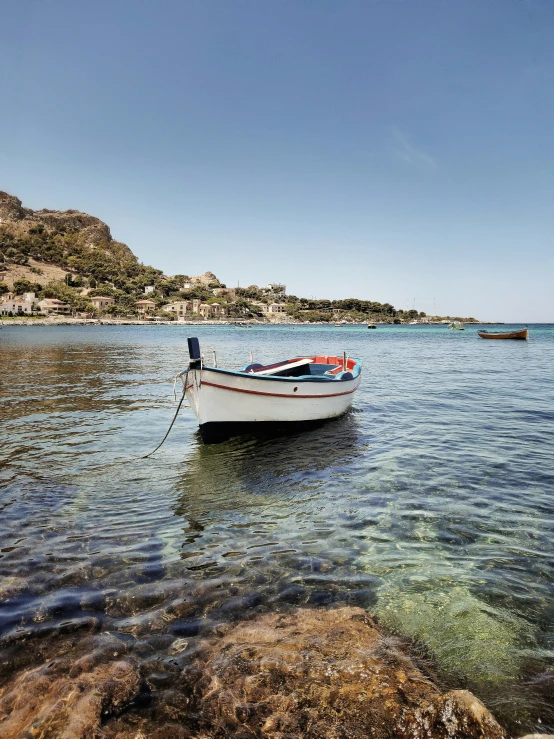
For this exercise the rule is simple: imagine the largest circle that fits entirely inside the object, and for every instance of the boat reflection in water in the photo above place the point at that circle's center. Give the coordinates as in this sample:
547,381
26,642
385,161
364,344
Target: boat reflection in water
258,511
267,469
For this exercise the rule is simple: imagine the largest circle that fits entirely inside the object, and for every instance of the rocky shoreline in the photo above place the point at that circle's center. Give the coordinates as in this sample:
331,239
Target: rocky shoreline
137,322
306,673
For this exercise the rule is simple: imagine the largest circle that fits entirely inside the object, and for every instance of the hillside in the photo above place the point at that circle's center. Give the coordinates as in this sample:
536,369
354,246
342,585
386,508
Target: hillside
44,245
37,272
73,257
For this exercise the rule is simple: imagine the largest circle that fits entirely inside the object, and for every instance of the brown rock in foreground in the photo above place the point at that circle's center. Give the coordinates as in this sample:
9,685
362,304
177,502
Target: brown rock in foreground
49,702
327,674
309,674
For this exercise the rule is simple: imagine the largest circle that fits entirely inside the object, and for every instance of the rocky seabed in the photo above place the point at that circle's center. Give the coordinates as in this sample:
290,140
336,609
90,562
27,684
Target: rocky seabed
306,673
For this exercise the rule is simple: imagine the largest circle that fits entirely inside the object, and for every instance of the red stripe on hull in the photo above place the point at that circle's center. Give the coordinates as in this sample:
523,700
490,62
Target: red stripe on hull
276,395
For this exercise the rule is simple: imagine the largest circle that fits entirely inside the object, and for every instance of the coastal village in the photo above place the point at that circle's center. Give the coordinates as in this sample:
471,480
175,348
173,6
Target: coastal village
221,304
217,304
65,266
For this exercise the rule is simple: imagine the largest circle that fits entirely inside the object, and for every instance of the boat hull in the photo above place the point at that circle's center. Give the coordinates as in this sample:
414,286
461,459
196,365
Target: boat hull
228,404
217,431
522,335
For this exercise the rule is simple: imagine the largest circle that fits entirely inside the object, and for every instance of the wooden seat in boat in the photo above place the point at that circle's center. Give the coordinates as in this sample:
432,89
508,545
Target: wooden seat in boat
280,369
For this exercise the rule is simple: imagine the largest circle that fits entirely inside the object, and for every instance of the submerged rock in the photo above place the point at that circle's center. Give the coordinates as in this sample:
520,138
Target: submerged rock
465,636
315,673
307,673
48,702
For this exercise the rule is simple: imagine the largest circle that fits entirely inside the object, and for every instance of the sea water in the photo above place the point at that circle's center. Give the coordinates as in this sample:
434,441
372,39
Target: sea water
430,503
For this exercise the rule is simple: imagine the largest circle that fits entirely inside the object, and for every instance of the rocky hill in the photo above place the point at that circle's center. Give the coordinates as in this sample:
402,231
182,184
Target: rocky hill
42,245
93,229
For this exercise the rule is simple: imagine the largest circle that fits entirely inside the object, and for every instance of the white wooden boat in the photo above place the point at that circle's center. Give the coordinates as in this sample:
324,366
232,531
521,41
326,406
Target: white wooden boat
456,326
286,395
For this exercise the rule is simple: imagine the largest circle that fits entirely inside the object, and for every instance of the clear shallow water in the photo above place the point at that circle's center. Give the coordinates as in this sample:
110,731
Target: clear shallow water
430,503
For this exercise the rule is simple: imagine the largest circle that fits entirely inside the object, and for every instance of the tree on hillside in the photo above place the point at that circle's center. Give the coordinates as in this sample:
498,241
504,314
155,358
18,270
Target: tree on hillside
106,290
200,292
252,292
24,286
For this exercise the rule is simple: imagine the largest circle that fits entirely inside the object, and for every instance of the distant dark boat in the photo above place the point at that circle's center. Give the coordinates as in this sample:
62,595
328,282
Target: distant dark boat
521,334
371,325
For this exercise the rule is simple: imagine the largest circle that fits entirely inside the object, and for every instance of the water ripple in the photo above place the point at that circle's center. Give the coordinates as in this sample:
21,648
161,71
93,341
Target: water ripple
430,503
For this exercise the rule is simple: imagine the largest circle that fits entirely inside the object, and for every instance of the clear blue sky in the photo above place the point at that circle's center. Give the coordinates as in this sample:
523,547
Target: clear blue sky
385,149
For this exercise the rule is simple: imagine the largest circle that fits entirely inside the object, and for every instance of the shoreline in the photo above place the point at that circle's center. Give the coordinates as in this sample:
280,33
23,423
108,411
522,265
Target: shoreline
241,324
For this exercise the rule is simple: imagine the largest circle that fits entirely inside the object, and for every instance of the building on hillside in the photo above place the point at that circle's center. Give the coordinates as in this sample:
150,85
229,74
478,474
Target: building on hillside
276,308
212,310
145,306
30,298
259,304
275,289
53,306
101,302
179,308
187,286
219,311
269,307
149,289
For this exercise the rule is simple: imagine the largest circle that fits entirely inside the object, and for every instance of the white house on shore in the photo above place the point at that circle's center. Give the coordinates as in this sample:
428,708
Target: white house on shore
29,305
15,307
50,306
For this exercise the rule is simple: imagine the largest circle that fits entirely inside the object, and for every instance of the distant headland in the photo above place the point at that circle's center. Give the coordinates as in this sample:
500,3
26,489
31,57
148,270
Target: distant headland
61,265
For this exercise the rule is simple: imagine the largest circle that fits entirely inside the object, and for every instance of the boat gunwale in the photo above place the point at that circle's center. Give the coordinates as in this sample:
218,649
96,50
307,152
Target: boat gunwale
356,370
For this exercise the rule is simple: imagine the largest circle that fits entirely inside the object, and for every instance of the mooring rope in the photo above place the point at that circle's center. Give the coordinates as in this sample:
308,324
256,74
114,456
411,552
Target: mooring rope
186,373
186,386
169,429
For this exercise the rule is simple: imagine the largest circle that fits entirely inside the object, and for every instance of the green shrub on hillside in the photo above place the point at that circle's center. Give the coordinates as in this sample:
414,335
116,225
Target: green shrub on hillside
25,286
108,261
